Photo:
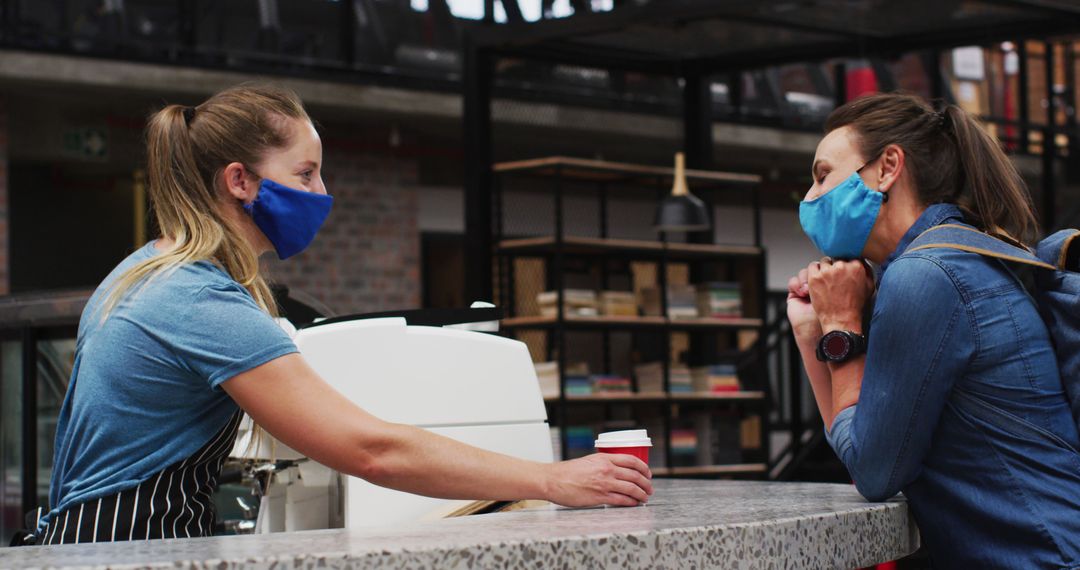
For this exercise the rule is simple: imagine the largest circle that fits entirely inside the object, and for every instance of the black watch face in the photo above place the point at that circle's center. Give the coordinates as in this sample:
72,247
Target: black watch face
836,345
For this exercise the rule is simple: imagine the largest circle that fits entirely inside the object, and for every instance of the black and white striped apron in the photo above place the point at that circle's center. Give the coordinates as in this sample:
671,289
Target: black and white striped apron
174,503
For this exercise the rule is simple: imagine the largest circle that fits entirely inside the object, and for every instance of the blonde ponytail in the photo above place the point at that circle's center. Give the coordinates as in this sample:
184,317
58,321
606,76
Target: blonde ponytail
187,149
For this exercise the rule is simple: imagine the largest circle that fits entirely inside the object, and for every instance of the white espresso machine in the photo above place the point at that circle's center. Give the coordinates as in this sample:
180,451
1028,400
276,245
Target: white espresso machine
475,387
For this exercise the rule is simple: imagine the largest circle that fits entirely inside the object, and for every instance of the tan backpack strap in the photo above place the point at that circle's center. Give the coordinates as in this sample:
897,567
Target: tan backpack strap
981,251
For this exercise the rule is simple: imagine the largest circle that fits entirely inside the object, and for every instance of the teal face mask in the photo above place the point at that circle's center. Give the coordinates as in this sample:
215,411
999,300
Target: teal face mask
839,221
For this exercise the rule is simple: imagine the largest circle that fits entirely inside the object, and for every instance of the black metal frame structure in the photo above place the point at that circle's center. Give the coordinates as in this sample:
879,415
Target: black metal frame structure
557,254
30,319
694,39
646,38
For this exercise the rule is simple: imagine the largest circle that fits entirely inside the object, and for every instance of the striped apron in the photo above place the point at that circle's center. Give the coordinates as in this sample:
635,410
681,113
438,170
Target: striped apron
174,503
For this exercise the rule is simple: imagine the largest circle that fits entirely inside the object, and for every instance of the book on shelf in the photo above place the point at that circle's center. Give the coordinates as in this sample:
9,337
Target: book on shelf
611,384
680,380
577,369
579,386
684,446
578,380
650,376
682,302
719,300
618,304
576,303
717,378
547,373
580,441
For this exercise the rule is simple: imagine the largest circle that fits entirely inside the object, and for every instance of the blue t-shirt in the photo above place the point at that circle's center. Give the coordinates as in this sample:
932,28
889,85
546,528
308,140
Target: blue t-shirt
145,389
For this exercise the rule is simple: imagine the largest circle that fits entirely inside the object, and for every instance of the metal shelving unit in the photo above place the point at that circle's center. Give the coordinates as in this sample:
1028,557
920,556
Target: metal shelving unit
558,250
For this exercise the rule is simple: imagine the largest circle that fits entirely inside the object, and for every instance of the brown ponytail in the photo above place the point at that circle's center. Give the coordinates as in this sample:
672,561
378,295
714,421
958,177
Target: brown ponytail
187,149
952,159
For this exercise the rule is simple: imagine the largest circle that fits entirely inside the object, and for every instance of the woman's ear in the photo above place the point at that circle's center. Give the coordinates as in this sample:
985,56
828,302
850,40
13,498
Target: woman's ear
239,182
892,167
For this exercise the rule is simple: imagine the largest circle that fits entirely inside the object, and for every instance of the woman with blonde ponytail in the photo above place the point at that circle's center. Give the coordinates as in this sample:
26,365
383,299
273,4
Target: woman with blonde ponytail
951,392
179,340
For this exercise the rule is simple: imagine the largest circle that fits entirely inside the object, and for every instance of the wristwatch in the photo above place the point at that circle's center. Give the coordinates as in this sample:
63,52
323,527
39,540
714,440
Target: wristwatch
840,346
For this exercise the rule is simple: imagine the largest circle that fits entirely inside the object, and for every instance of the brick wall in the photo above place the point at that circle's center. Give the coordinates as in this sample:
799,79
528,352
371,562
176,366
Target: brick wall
367,255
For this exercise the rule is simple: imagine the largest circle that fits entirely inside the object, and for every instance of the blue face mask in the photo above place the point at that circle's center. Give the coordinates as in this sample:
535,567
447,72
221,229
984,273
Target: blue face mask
288,218
839,221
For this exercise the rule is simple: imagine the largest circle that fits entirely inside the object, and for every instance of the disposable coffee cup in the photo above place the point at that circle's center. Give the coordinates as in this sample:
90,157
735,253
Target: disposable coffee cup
634,442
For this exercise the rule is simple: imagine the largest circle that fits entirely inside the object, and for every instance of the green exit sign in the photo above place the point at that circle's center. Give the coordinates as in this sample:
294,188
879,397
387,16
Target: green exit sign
87,143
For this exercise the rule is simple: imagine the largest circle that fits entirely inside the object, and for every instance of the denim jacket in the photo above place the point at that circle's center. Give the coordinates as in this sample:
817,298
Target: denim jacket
963,410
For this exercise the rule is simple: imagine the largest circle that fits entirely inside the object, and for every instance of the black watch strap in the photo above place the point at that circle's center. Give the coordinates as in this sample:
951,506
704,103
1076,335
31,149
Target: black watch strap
840,346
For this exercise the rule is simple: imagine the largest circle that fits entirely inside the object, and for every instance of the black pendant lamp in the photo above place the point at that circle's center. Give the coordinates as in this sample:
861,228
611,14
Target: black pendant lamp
681,211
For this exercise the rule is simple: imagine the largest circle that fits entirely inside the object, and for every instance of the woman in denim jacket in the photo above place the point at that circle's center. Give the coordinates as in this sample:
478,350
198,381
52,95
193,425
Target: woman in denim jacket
953,396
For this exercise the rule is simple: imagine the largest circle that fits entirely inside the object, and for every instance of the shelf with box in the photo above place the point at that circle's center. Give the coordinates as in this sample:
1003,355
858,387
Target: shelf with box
627,332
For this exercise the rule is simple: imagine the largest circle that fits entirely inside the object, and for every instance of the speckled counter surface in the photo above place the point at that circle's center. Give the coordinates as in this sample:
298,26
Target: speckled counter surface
687,524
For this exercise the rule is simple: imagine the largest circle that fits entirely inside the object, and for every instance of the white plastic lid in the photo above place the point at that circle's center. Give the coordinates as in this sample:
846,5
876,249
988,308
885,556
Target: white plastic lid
625,438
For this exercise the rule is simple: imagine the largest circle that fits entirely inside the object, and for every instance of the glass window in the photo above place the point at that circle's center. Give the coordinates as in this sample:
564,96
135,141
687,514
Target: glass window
56,358
10,439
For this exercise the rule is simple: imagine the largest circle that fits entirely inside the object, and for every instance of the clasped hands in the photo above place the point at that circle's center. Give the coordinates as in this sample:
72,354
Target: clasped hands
829,295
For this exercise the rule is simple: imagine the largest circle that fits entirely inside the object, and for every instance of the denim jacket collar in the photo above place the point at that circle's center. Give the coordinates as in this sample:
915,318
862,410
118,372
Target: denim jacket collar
934,215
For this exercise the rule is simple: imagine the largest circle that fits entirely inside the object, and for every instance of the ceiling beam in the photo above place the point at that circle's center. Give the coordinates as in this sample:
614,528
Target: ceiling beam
1052,7
593,23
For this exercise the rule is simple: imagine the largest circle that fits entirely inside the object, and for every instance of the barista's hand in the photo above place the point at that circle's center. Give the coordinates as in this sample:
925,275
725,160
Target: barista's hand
599,479
839,290
804,320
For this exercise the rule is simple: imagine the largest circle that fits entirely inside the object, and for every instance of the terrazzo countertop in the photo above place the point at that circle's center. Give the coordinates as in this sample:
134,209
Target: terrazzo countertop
687,524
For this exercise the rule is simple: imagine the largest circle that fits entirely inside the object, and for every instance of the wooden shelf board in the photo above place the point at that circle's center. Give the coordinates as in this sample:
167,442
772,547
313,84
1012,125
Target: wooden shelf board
633,396
663,397
586,169
745,468
739,395
599,246
539,321
704,322
615,321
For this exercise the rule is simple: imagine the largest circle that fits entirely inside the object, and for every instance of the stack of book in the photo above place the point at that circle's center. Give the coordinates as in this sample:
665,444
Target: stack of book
650,377
576,303
603,384
548,375
578,386
719,300
618,304
680,380
715,378
579,441
682,302
684,447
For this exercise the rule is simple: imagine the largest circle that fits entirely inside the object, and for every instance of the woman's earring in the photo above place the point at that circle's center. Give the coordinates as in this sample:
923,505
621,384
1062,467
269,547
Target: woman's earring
884,197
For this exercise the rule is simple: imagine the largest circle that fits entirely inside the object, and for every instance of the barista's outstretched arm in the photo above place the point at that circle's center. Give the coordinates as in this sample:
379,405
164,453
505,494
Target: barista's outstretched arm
289,399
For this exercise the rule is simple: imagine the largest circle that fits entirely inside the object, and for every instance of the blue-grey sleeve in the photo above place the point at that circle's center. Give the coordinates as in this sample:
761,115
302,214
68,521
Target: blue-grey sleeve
921,339
226,333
